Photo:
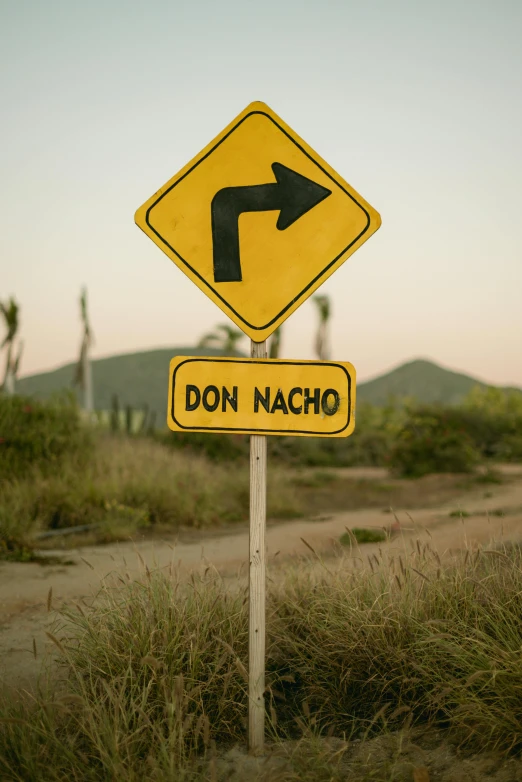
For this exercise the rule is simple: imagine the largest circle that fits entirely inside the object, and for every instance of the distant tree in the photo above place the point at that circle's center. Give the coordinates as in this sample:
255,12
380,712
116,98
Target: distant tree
324,309
115,413
83,374
494,401
275,344
15,366
224,338
11,315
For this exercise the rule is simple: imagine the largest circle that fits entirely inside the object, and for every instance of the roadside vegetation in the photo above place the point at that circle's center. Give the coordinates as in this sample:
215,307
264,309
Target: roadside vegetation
58,473
411,439
152,676
120,486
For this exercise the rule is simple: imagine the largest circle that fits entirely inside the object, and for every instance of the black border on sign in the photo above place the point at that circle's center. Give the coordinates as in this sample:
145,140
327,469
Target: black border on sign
207,284
262,431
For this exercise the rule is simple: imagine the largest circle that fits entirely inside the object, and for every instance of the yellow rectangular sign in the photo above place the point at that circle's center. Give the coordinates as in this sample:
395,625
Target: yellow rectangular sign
261,396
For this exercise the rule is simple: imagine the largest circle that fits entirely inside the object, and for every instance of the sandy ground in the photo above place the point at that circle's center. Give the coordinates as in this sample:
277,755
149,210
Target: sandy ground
24,587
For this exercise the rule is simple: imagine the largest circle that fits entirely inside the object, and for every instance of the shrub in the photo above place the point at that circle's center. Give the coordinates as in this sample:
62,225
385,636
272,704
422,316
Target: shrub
493,418
428,442
511,447
39,434
368,446
131,483
363,536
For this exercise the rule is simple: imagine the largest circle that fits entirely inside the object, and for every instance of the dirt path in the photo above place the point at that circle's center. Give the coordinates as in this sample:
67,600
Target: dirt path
24,587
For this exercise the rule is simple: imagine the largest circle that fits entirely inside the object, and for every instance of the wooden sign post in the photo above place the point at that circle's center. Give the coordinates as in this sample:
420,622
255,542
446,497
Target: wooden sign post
256,582
300,220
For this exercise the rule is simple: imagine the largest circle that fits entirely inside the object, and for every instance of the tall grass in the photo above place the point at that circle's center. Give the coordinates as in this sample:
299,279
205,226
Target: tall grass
157,668
130,484
414,639
40,433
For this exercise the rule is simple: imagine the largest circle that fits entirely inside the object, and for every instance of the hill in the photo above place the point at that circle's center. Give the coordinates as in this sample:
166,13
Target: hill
138,379
142,379
423,380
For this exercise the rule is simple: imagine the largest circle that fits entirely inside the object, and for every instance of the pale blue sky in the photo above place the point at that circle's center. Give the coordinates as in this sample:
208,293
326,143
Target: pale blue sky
416,104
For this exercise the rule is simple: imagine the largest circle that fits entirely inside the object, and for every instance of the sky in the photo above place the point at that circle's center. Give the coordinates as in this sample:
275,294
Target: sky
418,105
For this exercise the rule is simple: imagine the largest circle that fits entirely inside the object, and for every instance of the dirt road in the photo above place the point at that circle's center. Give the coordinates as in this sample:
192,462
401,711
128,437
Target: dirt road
24,587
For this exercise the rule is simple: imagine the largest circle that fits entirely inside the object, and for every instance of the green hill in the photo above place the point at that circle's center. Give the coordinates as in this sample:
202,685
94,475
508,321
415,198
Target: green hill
142,379
423,380
138,379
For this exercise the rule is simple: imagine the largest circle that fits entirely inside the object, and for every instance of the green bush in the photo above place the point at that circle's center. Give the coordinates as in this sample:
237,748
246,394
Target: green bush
368,446
38,434
493,419
509,448
433,438
308,451
487,425
429,442
363,536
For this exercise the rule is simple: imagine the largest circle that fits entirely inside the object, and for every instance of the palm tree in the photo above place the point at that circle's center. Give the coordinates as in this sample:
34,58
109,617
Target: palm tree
224,338
10,312
322,347
83,374
275,343
16,364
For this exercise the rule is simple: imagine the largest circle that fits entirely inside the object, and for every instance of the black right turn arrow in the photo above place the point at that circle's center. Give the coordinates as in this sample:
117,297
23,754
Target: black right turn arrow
292,195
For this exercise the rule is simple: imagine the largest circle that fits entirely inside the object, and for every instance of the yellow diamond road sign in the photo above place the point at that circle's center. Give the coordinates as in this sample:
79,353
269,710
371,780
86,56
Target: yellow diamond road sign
258,220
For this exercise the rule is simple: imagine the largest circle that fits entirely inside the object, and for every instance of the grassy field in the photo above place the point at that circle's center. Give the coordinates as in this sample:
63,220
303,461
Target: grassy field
130,487
391,671
410,654
58,472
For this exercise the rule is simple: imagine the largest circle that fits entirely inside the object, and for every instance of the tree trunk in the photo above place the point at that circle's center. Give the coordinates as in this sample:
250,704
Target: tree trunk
9,383
9,380
128,418
323,349
87,374
115,413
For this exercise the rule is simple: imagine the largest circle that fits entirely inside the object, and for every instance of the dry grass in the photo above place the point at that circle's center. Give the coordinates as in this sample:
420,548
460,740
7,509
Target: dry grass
156,672
330,490
134,484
